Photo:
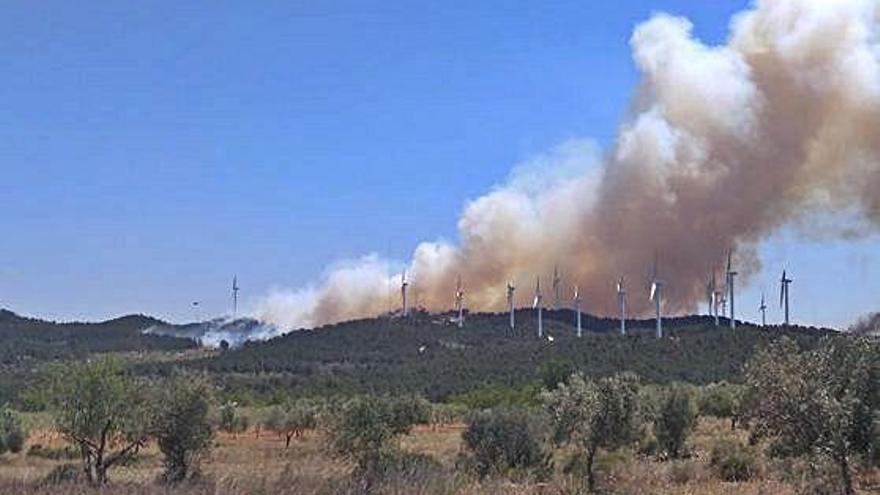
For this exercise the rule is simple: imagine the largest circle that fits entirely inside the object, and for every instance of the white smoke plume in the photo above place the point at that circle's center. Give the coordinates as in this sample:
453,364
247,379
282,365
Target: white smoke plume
725,144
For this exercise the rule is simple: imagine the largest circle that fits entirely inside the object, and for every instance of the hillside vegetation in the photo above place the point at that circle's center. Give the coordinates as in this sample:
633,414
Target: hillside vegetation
425,354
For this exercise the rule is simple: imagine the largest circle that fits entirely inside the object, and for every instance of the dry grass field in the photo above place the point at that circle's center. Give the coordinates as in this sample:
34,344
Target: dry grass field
252,464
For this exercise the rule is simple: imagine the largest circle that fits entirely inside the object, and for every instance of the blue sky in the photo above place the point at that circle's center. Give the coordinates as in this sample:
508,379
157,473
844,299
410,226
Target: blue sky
150,150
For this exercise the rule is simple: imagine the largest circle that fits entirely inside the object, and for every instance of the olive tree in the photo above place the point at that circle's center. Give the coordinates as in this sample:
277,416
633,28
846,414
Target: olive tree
822,402
365,428
675,420
592,415
230,420
293,418
100,411
182,425
722,400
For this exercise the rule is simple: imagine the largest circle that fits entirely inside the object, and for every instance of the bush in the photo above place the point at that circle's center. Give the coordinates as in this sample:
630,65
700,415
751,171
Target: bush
506,442
675,421
181,425
230,420
732,460
12,436
684,472
44,452
447,414
64,473
555,372
721,400
407,411
364,429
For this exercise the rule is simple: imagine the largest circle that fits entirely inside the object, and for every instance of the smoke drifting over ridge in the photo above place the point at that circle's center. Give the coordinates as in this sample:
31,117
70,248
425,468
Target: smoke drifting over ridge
725,145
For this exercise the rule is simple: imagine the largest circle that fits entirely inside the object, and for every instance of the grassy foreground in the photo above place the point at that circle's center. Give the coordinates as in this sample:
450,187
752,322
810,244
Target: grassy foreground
252,463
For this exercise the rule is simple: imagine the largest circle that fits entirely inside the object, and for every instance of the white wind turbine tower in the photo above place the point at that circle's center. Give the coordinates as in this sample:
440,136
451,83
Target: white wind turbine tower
730,283
235,290
538,305
459,303
511,304
557,280
722,298
783,295
712,295
621,302
577,309
403,285
657,297
763,309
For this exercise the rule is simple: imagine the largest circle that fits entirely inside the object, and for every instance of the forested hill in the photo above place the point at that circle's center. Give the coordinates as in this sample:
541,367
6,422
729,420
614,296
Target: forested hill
428,354
26,340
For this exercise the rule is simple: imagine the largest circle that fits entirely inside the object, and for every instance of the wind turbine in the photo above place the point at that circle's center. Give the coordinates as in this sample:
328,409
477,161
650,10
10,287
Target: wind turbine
783,294
538,304
459,303
511,304
730,279
712,294
621,301
403,285
657,297
557,280
235,290
577,309
763,309
723,297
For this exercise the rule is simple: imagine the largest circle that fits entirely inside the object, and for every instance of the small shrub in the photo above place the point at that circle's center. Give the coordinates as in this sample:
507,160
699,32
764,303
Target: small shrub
447,414
684,472
12,436
64,473
732,460
721,400
506,442
555,372
45,452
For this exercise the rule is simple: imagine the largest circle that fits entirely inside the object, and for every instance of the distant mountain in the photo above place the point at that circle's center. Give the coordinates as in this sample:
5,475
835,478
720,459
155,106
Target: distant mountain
24,339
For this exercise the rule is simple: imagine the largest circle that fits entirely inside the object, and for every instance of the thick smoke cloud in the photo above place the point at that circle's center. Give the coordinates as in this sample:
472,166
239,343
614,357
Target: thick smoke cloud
724,145
867,325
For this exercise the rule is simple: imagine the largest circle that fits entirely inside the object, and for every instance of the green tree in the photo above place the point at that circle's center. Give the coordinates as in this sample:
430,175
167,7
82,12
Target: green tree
675,420
293,418
823,402
554,372
230,420
12,436
722,400
181,424
364,430
592,415
102,413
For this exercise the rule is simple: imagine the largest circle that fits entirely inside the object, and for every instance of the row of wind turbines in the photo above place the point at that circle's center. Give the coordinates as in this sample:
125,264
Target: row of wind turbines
717,300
